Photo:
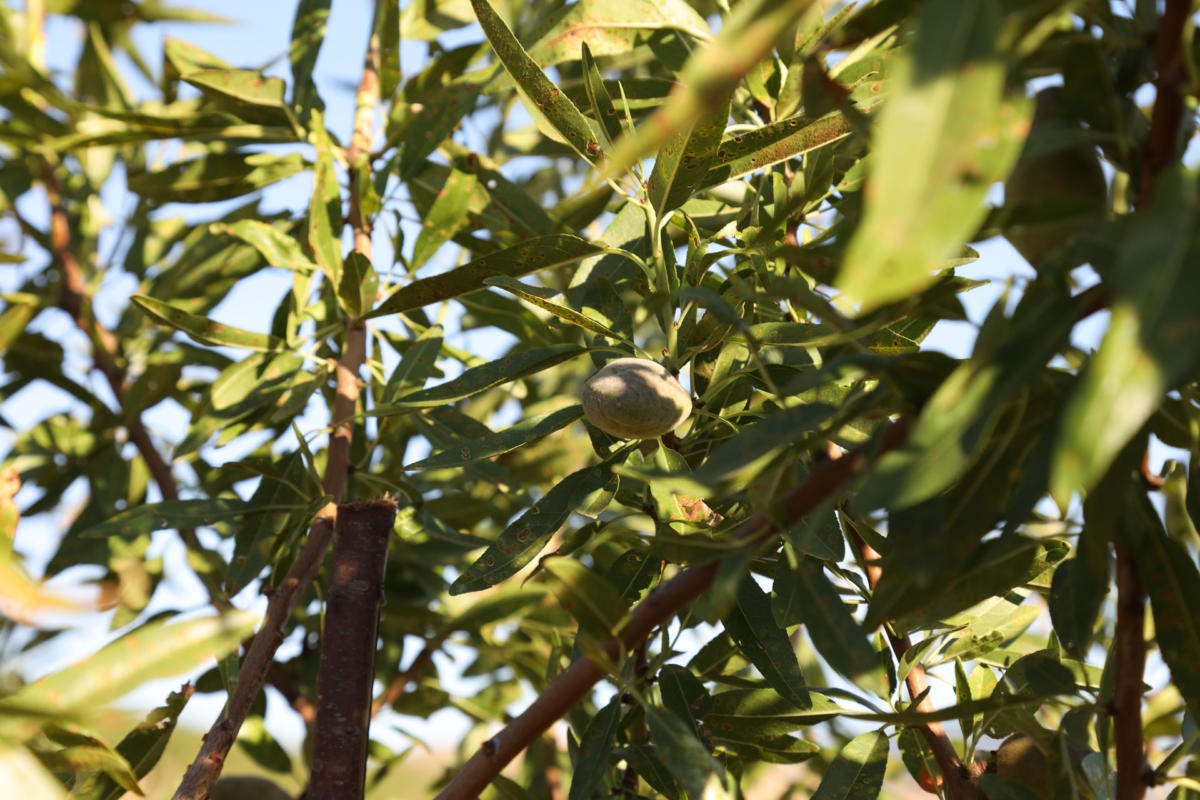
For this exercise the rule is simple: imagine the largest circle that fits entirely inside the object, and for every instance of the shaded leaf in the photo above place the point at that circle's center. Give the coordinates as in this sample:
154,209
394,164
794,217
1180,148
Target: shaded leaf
529,256
518,435
943,137
528,534
857,771
766,645
203,329
484,377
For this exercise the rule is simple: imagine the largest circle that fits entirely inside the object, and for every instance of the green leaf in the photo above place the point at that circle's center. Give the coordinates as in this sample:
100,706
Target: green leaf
710,76
542,252
688,759
533,296
857,771
359,285
610,29
387,28
417,364
82,754
600,101
244,85
542,98
522,433
442,109
1152,342
141,748
178,514
1080,584
595,748
590,599
766,645
1171,579
762,147
257,741
203,329
155,650
804,595
277,247
759,440
683,162
325,208
528,534
684,695
219,176
446,217
308,33
944,136
484,377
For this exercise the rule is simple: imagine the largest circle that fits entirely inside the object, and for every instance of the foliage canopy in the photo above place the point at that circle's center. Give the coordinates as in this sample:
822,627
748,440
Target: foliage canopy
774,201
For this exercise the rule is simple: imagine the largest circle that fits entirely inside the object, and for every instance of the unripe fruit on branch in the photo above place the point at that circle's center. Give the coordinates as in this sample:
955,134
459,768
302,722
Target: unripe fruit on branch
635,398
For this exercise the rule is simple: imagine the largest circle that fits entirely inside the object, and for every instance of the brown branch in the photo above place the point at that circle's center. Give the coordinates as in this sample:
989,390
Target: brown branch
204,771
1129,643
663,602
1160,151
400,682
73,298
1162,143
347,671
954,772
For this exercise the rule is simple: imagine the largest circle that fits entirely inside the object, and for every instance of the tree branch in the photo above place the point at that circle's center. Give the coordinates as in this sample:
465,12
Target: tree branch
399,683
339,762
1160,151
204,771
663,602
956,775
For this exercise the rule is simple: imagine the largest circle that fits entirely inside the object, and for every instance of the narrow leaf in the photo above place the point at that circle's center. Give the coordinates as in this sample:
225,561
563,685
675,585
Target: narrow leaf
484,377
528,534
595,748
529,256
518,435
531,295
542,98
587,597
764,644
446,217
203,329
155,650
857,771
943,137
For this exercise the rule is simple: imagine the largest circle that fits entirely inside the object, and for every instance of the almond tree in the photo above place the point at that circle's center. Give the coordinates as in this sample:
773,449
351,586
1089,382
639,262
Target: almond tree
749,547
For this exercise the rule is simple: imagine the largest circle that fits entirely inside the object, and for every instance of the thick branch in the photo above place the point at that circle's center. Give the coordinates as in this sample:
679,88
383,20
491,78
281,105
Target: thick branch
339,763
204,771
663,602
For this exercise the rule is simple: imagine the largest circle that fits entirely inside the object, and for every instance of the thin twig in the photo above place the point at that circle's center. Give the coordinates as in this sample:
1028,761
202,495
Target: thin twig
204,771
954,772
1129,643
411,673
663,602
